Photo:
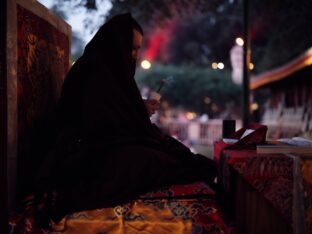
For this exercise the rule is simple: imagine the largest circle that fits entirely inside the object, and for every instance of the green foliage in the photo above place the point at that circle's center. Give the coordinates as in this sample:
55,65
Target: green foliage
156,11
204,38
280,31
204,30
188,86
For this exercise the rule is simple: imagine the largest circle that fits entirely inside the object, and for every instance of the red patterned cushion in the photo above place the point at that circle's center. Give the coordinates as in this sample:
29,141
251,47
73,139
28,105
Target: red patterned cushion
187,190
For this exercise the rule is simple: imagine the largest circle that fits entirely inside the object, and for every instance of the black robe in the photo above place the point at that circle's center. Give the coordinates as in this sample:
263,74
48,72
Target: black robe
107,150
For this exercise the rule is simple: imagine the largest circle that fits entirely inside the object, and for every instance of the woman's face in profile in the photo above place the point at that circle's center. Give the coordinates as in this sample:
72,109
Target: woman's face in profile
137,43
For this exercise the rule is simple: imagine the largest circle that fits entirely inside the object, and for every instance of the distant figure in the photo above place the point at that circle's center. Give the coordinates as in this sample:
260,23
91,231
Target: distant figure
107,151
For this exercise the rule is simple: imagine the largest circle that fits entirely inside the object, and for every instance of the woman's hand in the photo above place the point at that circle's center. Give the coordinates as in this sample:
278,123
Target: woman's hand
151,106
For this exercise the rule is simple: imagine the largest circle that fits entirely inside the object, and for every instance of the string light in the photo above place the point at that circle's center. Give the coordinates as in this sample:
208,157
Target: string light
145,64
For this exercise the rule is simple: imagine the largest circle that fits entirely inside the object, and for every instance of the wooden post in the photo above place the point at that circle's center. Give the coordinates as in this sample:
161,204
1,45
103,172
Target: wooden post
3,120
13,16
245,98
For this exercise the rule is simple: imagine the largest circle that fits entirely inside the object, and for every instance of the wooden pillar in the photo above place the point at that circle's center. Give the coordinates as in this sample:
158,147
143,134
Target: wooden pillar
3,120
14,15
246,93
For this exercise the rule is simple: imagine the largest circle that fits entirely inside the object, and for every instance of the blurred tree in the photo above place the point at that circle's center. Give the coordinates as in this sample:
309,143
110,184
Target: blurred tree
204,31
191,34
280,30
197,89
59,12
205,38
77,46
76,40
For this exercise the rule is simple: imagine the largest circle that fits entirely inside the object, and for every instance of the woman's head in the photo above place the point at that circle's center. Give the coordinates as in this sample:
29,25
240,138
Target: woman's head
111,56
136,44
116,44
115,36
136,25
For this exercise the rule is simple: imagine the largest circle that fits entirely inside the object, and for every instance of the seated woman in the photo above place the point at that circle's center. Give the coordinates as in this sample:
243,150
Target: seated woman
107,150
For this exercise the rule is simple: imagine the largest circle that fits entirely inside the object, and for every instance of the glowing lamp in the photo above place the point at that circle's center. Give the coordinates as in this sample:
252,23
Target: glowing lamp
220,66
214,66
254,106
190,115
239,41
145,64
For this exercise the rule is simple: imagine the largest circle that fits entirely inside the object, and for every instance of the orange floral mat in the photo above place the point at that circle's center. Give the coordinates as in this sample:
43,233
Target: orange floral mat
187,209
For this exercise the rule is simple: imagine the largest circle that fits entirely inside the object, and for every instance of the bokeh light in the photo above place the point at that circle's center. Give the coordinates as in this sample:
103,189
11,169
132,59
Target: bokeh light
220,66
145,64
239,41
190,115
214,66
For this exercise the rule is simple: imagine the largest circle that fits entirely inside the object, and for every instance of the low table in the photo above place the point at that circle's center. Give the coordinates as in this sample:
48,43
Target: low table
268,193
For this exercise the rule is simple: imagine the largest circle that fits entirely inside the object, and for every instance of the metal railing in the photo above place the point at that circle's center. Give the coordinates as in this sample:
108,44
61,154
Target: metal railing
197,132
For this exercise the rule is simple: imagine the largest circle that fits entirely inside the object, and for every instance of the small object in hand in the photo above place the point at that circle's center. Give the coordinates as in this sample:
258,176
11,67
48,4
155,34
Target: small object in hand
161,84
154,96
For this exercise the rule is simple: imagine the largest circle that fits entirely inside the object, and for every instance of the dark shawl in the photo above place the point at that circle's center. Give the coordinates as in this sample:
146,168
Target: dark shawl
100,96
108,151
